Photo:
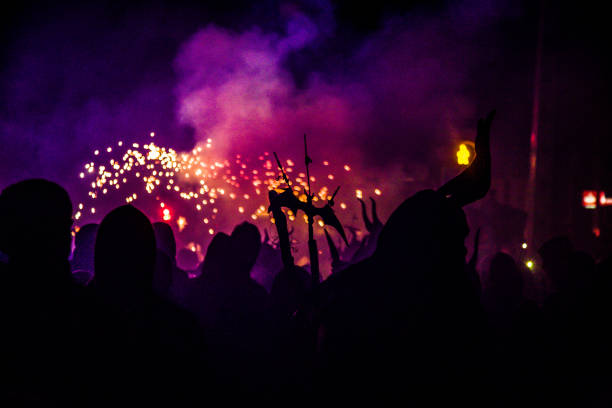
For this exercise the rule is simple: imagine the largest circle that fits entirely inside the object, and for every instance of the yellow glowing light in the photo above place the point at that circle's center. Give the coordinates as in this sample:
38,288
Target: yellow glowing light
347,167
343,206
377,191
524,245
358,193
240,210
463,155
152,134
96,152
211,231
321,223
530,264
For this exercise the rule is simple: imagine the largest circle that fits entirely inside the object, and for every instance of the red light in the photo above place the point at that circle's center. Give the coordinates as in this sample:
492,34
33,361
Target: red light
166,215
603,200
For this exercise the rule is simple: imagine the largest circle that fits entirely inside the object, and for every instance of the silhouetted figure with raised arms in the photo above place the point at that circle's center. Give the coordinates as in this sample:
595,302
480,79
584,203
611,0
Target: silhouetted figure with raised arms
409,314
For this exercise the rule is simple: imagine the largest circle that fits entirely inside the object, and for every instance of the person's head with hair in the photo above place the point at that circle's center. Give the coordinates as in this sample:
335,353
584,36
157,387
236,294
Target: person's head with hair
217,254
124,254
35,224
165,240
245,243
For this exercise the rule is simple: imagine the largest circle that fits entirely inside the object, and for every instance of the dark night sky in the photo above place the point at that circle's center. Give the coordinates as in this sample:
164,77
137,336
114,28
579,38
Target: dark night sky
72,74
104,51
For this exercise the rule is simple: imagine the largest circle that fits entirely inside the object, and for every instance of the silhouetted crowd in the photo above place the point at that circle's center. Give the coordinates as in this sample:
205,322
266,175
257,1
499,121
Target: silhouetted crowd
406,319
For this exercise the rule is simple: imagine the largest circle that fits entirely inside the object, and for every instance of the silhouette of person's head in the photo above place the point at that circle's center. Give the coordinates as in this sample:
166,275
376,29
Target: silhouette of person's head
245,243
217,254
556,254
426,232
505,278
35,223
165,239
125,254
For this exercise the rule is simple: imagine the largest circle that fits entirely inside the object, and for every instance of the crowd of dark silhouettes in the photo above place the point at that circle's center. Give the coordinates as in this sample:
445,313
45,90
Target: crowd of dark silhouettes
403,315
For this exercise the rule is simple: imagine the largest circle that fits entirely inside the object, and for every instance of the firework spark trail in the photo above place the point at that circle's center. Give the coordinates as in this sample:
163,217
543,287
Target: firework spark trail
198,191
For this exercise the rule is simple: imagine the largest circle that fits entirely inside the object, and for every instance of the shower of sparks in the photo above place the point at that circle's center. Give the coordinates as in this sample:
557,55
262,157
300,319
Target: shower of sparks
191,188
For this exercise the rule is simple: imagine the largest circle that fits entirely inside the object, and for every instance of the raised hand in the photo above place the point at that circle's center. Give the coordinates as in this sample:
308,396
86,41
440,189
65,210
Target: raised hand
474,182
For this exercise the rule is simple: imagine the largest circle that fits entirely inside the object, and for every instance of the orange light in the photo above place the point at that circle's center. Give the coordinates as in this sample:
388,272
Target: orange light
589,199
